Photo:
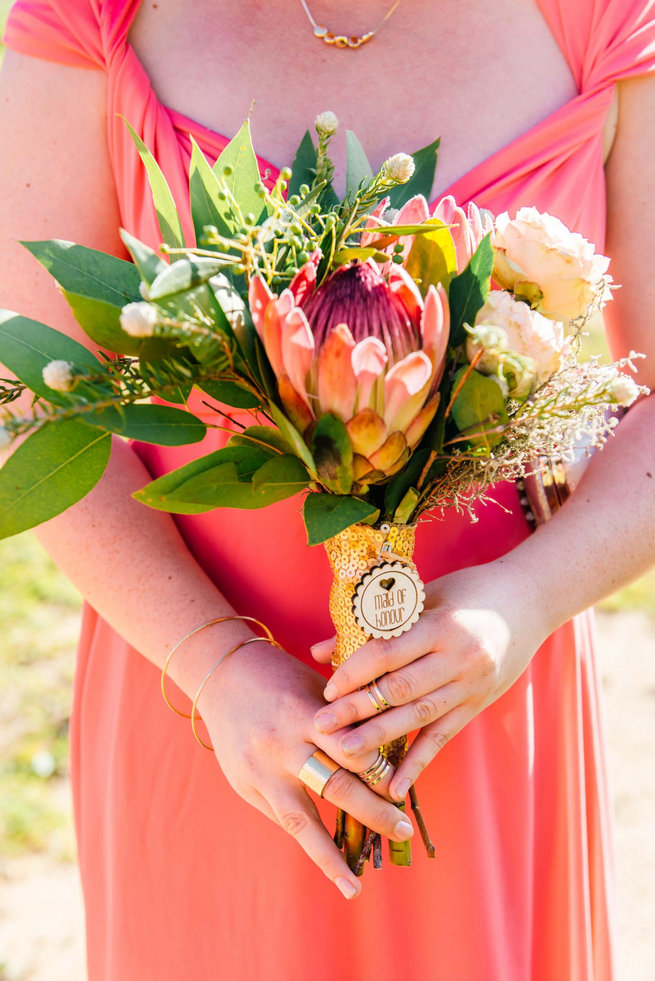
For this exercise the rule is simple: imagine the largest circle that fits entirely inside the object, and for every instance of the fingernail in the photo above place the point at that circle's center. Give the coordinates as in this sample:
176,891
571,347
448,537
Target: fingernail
400,790
352,743
330,691
325,721
346,887
403,830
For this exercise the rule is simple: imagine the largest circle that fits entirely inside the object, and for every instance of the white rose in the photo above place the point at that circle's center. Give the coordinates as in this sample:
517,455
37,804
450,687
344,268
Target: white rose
59,375
558,271
528,334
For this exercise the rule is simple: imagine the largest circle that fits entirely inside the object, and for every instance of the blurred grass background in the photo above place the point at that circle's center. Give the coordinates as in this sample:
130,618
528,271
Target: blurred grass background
39,615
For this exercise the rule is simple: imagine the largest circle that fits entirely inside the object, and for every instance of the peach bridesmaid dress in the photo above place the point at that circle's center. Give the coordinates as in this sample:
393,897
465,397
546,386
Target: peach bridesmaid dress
521,889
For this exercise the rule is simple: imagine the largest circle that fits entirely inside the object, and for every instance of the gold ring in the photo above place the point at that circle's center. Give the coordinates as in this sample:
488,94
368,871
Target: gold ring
376,771
317,770
377,698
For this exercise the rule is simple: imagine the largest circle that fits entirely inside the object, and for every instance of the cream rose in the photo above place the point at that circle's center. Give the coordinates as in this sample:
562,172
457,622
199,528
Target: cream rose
526,333
557,271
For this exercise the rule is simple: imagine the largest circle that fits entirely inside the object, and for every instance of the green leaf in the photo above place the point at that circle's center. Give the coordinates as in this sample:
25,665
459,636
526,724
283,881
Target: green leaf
239,157
405,509
333,453
468,291
209,482
327,514
399,485
204,188
421,181
169,220
346,255
27,346
55,467
303,169
432,258
281,477
146,260
293,438
183,274
160,424
231,393
101,322
88,272
479,407
260,435
358,168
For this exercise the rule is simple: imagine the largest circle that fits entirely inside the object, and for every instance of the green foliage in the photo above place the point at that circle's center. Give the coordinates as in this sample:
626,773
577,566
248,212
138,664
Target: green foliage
160,424
432,257
238,170
146,260
399,485
468,291
333,454
231,393
358,169
53,469
182,275
479,407
327,514
303,169
169,220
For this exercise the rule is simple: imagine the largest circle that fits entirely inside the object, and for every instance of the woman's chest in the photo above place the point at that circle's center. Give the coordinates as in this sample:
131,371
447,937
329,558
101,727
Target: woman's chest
476,74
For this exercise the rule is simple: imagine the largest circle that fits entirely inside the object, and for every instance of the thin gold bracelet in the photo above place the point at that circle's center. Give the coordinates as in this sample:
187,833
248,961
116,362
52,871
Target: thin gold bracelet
196,630
193,716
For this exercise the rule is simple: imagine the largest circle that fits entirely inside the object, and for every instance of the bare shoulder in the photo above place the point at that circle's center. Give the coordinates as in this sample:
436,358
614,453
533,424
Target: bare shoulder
55,174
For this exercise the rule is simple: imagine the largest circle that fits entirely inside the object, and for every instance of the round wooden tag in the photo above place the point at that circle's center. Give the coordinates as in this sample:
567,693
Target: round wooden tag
388,599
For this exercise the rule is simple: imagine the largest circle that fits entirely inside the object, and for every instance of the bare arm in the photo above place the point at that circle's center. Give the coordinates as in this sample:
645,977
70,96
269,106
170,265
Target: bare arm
483,625
129,561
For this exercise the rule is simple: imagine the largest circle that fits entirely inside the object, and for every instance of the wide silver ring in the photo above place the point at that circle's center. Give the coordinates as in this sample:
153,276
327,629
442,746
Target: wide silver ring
378,700
376,771
317,770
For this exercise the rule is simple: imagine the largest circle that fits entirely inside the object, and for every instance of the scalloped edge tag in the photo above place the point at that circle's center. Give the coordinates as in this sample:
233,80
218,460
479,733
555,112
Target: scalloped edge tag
388,599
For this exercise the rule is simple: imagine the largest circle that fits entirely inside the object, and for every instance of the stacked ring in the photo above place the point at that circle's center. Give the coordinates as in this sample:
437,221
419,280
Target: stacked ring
317,770
377,698
377,771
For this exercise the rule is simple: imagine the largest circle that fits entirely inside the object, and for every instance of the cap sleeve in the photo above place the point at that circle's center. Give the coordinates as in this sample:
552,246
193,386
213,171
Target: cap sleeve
622,42
64,31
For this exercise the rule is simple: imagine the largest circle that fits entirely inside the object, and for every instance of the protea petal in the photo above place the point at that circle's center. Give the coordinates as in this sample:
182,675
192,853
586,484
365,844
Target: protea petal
369,359
373,222
296,407
389,453
404,387
337,384
297,350
413,212
361,467
304,281
259,296
416,429
402,284
367,432
435,327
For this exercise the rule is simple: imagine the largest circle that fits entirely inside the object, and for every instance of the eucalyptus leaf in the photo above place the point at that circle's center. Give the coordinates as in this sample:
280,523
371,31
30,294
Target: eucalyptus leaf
27,346
261,435
169,220
145,259
293,438
421,181
346,255
101,322
87,272
358,168
282,476
303,169
231,393
478,407
204,188
160,424
327,514
468,291
183,274
333,453
51,470
239,159
432,258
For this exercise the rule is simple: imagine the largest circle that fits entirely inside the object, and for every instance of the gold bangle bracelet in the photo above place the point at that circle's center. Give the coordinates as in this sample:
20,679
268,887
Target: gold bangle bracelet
196,630
193,716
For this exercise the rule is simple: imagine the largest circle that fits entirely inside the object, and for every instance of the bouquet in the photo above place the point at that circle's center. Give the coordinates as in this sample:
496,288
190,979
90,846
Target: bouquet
371,365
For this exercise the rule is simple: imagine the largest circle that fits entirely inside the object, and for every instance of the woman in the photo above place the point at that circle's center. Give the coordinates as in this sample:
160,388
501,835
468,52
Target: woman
180,875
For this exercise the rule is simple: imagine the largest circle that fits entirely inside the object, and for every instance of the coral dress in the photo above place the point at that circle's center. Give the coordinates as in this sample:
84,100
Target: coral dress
522,884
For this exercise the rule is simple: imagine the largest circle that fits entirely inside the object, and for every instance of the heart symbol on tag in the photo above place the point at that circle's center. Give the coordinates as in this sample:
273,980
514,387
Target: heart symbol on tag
387,583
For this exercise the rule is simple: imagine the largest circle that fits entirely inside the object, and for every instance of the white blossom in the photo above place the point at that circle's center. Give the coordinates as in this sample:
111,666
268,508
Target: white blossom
139,319
624,390
326,123
59,375
400,167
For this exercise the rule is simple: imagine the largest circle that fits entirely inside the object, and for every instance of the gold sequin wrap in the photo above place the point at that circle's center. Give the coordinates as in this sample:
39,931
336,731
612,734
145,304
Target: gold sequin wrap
351,553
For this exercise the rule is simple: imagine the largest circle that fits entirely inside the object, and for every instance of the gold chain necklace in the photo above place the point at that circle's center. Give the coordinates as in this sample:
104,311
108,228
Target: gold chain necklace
340,40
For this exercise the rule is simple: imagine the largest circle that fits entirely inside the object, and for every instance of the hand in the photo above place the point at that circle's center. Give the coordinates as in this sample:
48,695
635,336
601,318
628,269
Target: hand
259,709
477,634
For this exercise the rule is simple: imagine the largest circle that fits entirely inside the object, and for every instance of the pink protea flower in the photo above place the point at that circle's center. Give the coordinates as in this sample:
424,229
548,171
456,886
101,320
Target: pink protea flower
468,228
365,346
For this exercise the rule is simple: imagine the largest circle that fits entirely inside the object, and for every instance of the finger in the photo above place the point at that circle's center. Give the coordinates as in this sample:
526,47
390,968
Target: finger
378,657
331,745
297,815
357,744
424,675
322,652
349,793
425,747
